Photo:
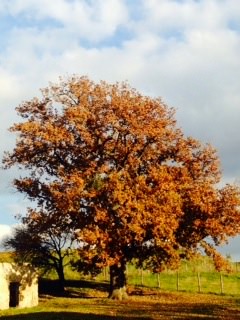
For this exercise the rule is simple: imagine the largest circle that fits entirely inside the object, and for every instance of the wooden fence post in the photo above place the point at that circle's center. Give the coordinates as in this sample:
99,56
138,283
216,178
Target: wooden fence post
105,273
199,282
158,279
221,283
141,277
177,280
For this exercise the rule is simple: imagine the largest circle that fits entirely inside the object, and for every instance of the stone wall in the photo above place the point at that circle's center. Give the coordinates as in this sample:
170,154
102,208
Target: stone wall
18,286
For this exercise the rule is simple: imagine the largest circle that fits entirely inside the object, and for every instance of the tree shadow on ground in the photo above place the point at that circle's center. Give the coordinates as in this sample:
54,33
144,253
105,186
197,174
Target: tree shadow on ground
137,307
51,288
165,312
69,316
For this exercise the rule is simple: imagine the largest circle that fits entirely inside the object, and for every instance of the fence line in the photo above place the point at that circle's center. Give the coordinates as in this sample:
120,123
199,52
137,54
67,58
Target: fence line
199,278
213,282
183,280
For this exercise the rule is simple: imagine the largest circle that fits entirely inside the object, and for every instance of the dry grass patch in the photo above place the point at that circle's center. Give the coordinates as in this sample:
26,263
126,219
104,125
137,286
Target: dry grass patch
81,303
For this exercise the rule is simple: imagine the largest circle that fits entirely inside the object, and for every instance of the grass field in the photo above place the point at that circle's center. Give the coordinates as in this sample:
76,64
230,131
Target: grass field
195,276
88,300
195,291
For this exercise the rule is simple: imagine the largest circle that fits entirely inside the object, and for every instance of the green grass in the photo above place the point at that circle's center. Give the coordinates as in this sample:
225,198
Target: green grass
88,300
187,278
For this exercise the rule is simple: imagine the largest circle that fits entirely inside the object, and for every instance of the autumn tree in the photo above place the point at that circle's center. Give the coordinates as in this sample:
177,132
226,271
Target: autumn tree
115,161
44,241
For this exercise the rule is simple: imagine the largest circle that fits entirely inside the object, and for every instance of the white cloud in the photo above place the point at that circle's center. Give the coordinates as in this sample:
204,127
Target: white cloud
5,231
188,15
90,20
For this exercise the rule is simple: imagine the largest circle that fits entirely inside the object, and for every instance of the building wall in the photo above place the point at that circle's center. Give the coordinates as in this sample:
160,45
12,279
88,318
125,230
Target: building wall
4,291
27,279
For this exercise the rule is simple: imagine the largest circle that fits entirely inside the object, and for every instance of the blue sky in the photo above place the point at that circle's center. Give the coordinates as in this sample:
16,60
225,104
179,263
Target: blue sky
185,51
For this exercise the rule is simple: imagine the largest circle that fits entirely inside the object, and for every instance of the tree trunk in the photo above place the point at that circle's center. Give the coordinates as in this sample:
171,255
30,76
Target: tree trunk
61,279
118,281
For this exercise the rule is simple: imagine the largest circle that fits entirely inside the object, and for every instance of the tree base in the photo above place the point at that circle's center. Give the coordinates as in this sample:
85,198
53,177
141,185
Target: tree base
119,294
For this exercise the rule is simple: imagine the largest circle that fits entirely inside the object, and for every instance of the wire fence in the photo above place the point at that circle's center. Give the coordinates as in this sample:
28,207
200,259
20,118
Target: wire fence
197,278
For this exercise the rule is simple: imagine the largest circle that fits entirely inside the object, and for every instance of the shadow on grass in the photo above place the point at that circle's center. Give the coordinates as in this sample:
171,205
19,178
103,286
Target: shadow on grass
69,316
137,307
166,312
51,288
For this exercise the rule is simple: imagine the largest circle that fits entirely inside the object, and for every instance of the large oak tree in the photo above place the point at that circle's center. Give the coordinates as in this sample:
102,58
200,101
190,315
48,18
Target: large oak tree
115,161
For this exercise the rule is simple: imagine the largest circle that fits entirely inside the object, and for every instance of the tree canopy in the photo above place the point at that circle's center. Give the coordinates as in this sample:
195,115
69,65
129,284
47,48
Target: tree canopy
115,163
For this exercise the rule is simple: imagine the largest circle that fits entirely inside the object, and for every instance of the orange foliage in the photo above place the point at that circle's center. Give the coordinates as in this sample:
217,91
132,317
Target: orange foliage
115,162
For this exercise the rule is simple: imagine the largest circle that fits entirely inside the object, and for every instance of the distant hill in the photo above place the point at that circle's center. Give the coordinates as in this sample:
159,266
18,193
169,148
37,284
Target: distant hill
6,256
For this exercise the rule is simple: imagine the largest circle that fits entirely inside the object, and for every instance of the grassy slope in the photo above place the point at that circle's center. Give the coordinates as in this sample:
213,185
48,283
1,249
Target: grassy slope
6,257
88,300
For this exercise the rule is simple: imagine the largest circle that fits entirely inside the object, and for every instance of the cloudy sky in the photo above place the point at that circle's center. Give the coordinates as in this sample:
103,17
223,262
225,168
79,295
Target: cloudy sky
186,51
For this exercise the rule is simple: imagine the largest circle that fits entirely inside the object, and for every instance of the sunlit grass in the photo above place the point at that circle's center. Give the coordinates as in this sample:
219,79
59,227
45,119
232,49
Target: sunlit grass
145,304
6,257
201,295
195,276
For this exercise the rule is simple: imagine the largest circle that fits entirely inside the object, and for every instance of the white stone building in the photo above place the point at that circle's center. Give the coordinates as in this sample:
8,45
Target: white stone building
18,286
